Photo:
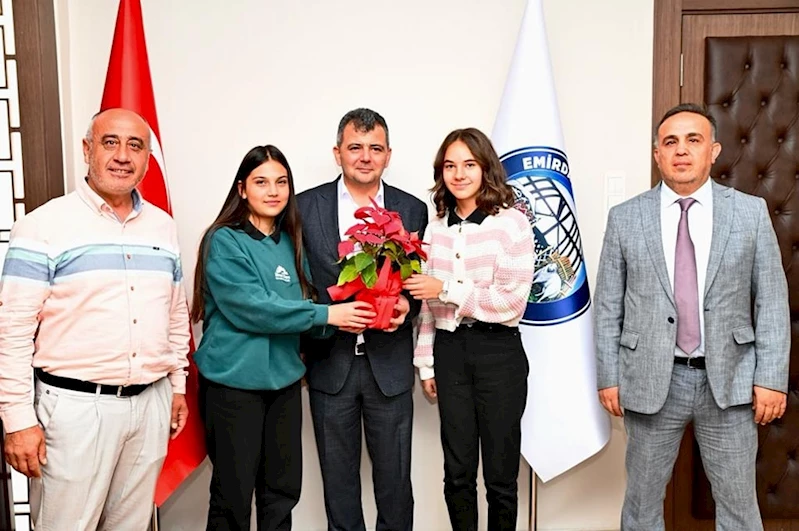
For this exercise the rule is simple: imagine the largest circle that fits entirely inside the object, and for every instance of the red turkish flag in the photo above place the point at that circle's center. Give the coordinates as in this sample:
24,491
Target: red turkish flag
128,85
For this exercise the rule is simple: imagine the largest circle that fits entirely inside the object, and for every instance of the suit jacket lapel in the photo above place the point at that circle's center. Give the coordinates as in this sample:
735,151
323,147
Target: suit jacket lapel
650,216
327,208
391,200
722,226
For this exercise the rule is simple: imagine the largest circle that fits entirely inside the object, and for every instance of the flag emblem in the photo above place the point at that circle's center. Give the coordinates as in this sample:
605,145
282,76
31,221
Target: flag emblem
540,180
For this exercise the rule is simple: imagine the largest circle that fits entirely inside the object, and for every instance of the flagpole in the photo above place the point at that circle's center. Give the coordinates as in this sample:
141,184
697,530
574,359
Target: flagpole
532,513
154,520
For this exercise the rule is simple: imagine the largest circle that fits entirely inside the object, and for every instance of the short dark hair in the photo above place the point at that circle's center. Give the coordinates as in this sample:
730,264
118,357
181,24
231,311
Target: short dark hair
695,108
495,192
362,119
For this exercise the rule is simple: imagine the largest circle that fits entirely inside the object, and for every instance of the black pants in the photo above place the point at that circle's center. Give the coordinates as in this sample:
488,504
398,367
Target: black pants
481,376
254,441
387,424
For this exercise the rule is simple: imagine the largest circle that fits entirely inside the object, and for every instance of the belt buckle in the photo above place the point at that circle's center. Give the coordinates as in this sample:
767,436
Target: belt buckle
690,364
119,390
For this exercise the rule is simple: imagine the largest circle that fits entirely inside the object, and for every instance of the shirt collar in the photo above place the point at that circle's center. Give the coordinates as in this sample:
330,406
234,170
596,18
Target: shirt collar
98,204
343,193
476,217
251,231
703,196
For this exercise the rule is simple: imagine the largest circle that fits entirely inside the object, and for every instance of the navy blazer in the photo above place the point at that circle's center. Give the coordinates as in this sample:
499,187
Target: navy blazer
390,354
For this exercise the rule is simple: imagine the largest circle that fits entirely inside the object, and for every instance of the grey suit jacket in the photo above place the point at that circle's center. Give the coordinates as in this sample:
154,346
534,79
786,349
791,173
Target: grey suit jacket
390,354
747,324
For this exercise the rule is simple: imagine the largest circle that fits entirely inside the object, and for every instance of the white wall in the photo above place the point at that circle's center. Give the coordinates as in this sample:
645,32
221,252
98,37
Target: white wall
229,75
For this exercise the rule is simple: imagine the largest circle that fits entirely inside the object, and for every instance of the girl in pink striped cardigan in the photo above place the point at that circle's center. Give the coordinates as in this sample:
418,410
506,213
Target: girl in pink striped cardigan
474,291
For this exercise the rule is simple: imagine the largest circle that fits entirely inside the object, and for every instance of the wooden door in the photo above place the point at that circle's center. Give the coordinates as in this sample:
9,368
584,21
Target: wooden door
745,67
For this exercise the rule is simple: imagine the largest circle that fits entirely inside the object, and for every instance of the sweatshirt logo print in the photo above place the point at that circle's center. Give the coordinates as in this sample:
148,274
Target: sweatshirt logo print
282,275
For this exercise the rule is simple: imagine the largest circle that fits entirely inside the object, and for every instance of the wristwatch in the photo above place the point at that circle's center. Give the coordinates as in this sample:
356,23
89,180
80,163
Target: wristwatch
442,295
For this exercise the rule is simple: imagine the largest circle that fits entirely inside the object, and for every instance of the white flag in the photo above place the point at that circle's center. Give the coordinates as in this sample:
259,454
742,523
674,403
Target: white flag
563,423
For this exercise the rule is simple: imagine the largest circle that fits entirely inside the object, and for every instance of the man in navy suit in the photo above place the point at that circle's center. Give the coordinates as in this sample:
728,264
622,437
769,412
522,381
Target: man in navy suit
360,374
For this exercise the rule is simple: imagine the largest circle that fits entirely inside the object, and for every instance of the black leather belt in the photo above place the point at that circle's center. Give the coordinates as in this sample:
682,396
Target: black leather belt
485,327
89,387
360,348
693,363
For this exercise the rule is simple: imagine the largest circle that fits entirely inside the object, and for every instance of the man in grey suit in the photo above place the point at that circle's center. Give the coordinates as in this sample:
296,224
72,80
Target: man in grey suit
360,374
692,325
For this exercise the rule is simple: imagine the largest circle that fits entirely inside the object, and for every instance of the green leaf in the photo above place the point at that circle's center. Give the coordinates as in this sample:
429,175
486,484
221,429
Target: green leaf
416,265
348,274
362,261
369,275
405,271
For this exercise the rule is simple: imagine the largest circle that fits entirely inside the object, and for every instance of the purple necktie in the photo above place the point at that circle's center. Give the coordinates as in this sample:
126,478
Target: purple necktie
686,292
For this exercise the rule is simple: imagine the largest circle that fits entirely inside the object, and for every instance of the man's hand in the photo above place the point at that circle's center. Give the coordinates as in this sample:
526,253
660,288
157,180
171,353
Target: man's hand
180,412
609,398
423,287
25,450
767,404
429,388
401,310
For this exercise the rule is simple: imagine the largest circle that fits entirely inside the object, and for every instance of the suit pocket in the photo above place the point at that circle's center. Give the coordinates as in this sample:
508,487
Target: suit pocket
628,339
744,335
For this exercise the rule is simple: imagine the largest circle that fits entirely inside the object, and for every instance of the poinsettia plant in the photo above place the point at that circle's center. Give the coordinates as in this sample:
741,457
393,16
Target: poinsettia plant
378,254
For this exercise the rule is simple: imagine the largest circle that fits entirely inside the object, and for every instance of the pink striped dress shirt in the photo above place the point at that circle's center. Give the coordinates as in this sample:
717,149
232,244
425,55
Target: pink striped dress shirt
85,295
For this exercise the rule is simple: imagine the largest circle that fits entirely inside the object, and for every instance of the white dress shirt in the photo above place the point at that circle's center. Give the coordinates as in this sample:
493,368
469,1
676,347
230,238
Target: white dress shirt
346,218
700,226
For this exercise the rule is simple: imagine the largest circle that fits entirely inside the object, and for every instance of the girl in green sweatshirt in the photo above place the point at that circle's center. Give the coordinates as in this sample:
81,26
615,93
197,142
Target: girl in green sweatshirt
253,293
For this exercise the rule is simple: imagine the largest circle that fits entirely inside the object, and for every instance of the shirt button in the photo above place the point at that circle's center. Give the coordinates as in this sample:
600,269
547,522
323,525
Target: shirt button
458,255
127,256
132,288
135,321
133,355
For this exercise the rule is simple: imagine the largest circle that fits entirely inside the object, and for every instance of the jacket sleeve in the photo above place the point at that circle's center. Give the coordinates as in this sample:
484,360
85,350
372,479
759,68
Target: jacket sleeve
415,305
771,312
318,331
609,306
233,283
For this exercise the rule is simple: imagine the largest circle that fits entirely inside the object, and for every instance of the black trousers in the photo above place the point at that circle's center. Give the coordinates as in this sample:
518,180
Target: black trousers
254,441
481,377
387,424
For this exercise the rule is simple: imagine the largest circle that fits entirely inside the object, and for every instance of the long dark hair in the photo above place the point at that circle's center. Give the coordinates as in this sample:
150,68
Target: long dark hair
495,192
235,212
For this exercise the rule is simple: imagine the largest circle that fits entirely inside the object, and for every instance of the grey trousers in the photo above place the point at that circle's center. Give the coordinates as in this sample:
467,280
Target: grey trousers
727,442
387,426
104,455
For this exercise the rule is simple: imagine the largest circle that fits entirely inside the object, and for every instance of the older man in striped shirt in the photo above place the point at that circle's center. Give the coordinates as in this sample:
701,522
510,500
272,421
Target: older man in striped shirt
93,310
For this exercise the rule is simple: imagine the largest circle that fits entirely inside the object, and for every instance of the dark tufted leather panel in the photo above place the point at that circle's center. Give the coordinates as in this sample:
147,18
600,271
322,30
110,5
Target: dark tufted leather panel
752,89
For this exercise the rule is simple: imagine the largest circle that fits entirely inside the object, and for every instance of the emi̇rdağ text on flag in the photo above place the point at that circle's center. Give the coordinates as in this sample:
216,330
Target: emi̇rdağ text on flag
128,85
564,423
